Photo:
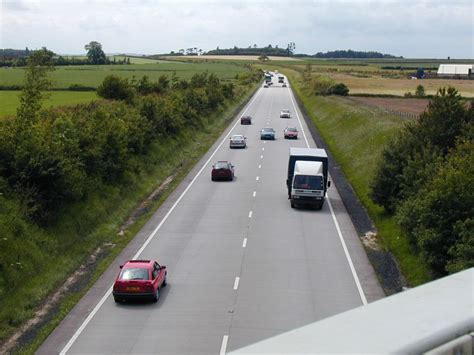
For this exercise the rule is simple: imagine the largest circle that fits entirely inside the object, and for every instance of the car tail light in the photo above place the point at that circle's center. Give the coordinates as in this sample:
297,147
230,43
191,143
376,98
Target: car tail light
148,287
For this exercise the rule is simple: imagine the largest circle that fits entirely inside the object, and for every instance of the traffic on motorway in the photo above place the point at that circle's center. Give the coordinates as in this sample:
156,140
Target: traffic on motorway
241,263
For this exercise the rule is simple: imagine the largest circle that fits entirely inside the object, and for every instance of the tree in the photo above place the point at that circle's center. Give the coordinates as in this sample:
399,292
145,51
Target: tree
339,89
420,91
40,63
95,54
291,48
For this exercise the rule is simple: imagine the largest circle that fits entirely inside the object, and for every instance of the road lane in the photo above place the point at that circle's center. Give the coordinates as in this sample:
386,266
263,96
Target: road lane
290,265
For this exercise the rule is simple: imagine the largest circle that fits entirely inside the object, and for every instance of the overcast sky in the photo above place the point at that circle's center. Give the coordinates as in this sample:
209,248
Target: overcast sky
411,28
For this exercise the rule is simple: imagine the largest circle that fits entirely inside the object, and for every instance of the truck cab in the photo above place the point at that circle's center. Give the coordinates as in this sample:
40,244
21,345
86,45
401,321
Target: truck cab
307,187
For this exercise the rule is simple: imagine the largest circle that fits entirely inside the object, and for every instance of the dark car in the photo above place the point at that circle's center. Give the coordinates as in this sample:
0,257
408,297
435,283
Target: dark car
139,279
267,133
290,133
222,170
246,120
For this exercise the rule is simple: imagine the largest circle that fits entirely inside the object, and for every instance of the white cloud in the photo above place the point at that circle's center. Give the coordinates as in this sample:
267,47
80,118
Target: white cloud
409,28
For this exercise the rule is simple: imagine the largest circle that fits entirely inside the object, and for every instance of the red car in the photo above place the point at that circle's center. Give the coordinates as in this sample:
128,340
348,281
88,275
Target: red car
245,120
290,133
222,170
139,279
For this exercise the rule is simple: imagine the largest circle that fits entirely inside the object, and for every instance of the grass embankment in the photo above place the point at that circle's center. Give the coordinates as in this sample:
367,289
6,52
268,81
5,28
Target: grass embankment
10,99
93,223
356,136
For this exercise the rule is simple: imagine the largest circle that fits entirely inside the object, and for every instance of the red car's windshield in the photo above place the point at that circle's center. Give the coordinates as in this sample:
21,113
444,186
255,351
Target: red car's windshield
221,165
135,274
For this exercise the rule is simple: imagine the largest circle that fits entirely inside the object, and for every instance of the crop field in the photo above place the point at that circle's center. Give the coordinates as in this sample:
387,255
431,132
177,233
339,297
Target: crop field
393,104
233,57
137,60
10,100
93,75
399,86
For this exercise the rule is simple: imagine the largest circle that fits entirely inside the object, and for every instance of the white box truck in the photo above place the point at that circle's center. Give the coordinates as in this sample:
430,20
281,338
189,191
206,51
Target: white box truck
307,177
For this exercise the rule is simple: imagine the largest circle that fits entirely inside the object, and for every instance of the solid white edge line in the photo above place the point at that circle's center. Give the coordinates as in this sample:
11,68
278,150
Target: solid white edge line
336,223
244,243
152,235
225,339
236,283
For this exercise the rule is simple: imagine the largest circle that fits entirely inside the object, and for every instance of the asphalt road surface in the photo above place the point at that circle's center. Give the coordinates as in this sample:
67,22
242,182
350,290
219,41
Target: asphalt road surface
242,264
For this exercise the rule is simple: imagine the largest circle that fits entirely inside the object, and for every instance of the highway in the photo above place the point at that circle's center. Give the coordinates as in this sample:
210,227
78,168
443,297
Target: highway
242,264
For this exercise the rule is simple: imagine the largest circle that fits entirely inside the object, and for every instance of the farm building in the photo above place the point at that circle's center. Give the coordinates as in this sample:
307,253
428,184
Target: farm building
465,71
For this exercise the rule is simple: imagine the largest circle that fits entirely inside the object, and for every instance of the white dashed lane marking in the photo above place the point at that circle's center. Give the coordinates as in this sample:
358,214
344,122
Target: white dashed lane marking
244,244
236,283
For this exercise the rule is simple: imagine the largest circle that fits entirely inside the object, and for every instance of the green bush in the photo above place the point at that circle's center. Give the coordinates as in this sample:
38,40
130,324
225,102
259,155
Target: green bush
426,178
339,89
116,88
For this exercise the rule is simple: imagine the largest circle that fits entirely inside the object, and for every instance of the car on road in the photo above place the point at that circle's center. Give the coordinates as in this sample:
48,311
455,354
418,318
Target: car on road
267,133
285,113
245,120
265,85
238,141
290,133
139,279
222,170
283,85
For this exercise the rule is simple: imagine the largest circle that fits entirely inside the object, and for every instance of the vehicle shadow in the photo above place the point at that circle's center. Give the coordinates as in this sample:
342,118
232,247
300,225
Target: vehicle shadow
140,304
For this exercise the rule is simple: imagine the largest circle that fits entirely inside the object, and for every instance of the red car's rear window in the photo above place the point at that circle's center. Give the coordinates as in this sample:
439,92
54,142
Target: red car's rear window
135,274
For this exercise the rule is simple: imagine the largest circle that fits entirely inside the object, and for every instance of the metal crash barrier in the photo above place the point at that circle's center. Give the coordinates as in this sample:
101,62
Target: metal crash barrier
435,318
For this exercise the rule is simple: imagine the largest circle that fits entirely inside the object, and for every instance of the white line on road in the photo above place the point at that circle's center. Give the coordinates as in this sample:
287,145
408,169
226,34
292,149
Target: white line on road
244,244
257,178
263,148
225,339
254,193
152,235
250,214
260,166
261,156
338,228
236,283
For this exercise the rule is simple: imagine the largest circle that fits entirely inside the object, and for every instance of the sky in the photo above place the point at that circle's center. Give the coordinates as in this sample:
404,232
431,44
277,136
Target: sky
409,28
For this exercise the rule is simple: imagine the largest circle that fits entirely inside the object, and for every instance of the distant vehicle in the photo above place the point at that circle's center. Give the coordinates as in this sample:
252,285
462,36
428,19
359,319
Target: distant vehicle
245,120
284,85
290,133
270,83
285,113
276,71
139,279
268,78
307,180
238,141
267,133
265,85
281,79
222,170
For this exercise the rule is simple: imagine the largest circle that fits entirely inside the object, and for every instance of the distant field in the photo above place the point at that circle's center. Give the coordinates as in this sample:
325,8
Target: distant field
93,75
10,101
415,106
231,57
399,86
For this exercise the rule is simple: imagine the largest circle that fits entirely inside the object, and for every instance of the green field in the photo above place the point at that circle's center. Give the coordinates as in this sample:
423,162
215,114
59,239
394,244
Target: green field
10,100
93,75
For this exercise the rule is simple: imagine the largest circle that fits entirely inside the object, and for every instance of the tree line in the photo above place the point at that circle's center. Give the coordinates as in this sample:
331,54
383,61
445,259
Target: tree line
426,180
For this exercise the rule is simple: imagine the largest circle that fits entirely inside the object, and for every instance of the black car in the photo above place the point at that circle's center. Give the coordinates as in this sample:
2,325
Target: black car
246,120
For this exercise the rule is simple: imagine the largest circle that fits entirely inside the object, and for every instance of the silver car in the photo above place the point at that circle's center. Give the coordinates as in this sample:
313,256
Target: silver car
285,114
238,141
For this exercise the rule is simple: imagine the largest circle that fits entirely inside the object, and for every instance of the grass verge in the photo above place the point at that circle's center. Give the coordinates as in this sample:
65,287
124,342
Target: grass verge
111,208
356,136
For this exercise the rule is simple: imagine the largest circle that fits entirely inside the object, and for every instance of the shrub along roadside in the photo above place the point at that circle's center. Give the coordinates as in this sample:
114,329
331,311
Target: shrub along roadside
356,137
100,159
